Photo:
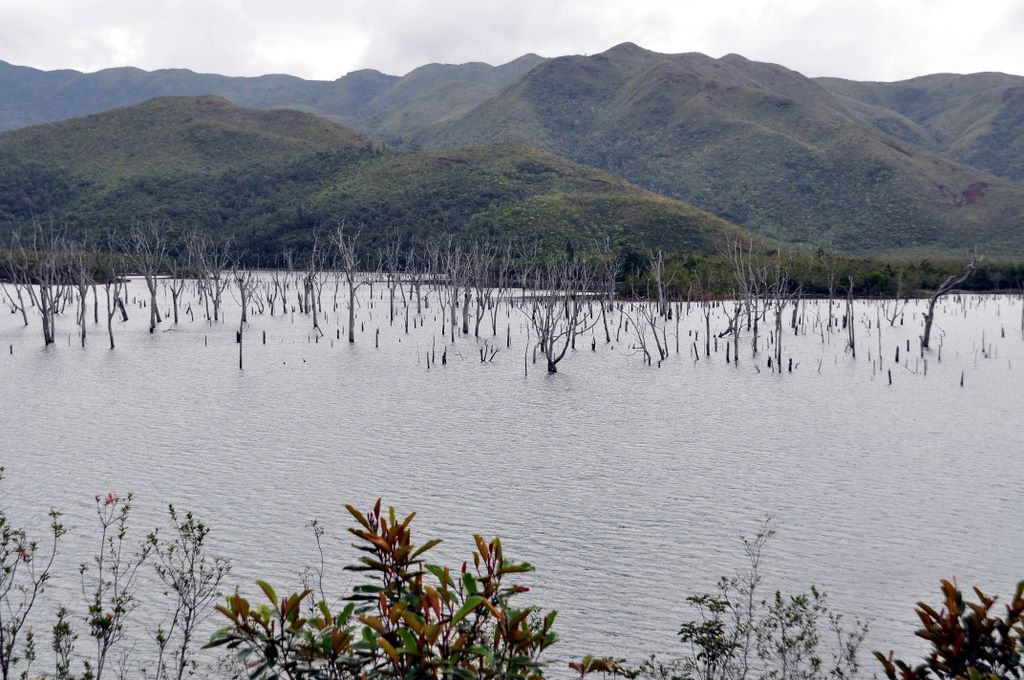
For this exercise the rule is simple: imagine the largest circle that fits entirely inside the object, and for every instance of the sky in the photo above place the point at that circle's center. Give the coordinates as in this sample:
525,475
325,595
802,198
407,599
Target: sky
325,39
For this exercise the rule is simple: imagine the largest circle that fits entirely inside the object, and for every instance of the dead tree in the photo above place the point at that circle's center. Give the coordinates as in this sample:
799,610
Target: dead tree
346,242
779,291
798,297
479,261
503,278
609,266
645,317
745,275
656,266
704,277
211,258
113,284
392,260
49,273
948,284
452,263
851,335
433,273
899,302
15,305
16,268
281,277
82,276
246,283
147,250
271,290
529,261
179,272
557,313
313,281
415,269
828,261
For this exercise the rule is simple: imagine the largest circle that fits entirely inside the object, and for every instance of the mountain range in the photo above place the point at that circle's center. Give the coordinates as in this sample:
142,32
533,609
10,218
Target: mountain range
386,106
270,178
929,165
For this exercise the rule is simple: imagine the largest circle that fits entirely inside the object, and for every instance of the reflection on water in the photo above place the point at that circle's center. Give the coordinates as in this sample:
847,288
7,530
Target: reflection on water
626,486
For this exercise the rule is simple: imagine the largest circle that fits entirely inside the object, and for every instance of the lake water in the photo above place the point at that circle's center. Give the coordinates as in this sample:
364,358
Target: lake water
627,486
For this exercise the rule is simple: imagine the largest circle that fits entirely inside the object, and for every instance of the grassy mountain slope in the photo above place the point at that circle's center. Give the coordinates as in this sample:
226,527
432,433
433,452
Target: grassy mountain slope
170,136
30,96
758,144
977,118
269,177
435,93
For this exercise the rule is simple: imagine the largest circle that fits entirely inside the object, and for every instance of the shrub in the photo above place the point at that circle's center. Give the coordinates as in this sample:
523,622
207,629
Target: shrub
741,634
412,619
968,641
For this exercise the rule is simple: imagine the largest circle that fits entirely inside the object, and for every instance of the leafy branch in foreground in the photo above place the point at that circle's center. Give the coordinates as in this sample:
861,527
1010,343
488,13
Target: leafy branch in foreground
968,640
413,619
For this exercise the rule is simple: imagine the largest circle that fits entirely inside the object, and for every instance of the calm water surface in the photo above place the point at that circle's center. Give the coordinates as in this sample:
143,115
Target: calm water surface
627,486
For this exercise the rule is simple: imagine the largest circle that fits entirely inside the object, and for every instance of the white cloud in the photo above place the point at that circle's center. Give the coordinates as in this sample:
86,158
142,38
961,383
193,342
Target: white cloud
866,39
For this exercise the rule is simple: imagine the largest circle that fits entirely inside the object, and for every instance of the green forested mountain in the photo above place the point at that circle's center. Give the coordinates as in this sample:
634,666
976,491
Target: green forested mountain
977,119
387,105
270,177
933,165
755,143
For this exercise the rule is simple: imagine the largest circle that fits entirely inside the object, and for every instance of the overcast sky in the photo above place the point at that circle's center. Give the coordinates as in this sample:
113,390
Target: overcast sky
324,39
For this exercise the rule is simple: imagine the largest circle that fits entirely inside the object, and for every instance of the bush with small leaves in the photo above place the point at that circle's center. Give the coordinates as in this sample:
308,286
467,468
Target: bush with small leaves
412,620
741,634
110,582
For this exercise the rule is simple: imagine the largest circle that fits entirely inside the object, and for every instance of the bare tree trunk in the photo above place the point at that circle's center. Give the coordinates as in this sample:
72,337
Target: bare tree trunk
947,285
111,310
83,292
154,311
851,333
779,304
46,309
147,249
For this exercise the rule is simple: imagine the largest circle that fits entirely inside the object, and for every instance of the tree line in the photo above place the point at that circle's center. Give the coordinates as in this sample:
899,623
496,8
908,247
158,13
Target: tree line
562,293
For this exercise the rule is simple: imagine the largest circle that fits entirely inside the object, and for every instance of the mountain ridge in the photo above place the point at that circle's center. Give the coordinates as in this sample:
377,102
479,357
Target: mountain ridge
268,178
33,96
933,163
758,144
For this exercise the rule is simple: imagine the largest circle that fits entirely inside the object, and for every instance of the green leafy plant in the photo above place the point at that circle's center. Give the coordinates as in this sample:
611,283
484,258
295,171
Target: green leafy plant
968,640
411,620
25,567
191,578
63,645
110,583
741,634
